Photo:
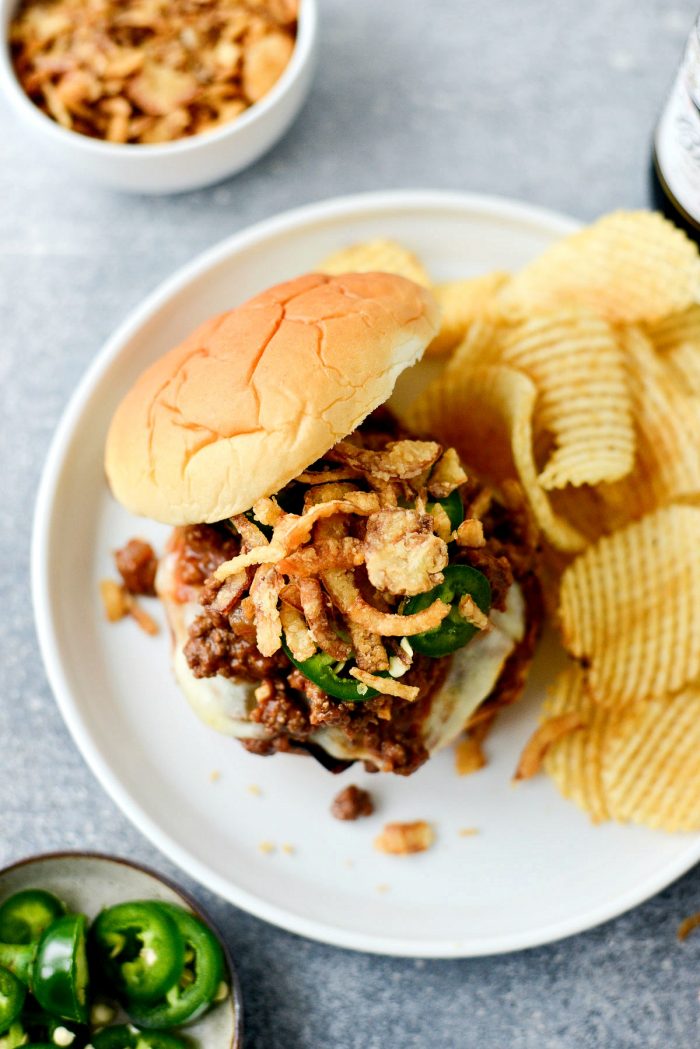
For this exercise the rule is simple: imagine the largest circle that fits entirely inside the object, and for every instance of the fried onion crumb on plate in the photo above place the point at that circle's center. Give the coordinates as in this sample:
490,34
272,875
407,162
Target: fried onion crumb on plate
403,839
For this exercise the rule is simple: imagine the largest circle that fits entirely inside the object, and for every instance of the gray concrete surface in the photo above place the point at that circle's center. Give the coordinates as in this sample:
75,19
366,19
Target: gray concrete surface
549,102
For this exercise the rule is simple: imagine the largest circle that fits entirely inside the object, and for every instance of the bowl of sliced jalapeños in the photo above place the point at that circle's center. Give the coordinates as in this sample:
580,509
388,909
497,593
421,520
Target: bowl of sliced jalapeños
97,952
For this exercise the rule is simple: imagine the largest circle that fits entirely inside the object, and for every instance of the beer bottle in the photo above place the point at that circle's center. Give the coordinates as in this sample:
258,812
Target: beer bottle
675,174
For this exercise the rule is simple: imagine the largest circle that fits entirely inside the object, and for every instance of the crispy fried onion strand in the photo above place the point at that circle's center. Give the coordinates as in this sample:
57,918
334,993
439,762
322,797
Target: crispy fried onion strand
387,686
326,493
535,750
331,553
264,593
342,473
469,610
268,511
345,594
403,554
296,633
470,533
314,608
400,460
370,653
251,535
442,526
446,476
293,530
230,593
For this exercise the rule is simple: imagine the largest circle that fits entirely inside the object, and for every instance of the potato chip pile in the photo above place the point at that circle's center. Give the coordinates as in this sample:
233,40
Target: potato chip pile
580,377
150,71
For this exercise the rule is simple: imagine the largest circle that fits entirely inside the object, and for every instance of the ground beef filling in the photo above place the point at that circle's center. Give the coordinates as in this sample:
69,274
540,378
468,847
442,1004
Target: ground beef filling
291,707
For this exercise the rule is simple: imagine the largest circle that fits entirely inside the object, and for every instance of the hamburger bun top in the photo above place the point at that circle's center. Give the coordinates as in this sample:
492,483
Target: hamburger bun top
254,396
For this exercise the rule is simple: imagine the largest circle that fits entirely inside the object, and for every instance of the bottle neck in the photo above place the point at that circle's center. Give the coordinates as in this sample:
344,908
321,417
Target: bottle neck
677,137
663,200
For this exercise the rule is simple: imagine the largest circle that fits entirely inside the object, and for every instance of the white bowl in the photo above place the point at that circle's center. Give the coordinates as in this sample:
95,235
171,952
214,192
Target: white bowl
89,881
187,163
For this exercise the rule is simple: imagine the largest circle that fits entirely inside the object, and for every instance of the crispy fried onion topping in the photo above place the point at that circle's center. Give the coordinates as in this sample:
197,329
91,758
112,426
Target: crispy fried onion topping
370,653
447,475
340,473
230,593
268,512
346,595
332,576
264,593
314,607
400,460
331,553
402,553
387,686
293,530
442,525
535,750
470,533
251,535
296,632
469,610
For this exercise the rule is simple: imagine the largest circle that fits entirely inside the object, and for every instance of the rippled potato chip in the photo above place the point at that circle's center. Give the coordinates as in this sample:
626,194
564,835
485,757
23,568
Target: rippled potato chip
462,302
684,367
578,367
677,340
628,266
576,761
672,330
482,344
629,608
638,764
667,459
380,256
667,423
651,769
486,413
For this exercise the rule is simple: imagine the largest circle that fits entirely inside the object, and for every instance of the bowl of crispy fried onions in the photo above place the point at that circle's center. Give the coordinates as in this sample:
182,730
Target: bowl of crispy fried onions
158,97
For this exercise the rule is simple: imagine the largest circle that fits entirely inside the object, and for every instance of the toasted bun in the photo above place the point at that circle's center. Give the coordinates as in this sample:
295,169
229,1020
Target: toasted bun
255,395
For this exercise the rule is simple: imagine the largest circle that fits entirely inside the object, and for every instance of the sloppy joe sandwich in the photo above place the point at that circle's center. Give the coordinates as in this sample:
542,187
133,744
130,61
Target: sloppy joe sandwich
334,585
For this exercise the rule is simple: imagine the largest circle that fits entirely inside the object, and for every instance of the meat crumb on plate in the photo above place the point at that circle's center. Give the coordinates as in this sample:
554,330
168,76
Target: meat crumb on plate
352,803
137,564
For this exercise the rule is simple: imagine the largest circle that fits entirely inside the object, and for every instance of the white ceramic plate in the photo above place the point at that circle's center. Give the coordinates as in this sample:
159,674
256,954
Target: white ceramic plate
536,871
89,881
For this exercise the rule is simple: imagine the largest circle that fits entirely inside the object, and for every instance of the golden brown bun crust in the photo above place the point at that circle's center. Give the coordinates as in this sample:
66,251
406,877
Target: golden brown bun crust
255,395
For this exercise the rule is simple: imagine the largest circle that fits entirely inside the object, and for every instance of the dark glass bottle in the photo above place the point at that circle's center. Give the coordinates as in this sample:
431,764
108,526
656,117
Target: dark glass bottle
675,166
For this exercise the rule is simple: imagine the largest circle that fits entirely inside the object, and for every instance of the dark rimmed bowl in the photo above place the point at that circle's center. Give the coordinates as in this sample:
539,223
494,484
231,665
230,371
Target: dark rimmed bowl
89,881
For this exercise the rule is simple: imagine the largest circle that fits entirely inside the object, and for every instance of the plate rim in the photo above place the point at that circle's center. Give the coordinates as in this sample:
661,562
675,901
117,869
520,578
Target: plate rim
332,209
